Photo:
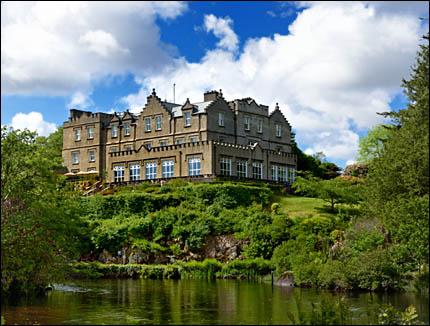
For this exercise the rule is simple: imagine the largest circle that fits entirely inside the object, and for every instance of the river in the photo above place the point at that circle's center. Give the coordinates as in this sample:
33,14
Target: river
141,301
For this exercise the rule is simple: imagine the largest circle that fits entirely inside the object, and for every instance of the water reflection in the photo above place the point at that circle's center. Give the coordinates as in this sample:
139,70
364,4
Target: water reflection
136,302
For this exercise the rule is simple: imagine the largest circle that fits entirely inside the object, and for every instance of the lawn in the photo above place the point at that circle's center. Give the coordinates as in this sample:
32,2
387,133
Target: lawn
295,206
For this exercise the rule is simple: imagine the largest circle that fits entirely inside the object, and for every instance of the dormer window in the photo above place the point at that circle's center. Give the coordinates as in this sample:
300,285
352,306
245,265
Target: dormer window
247,124
187,119
77,134
90,133
221,119
157,123
278,130
147,124
127,129
114,131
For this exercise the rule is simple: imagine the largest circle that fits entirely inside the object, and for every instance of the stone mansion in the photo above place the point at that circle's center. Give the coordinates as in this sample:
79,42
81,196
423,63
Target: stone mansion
200,140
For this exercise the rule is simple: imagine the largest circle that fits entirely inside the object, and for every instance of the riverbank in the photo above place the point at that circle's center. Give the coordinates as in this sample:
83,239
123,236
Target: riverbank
207,269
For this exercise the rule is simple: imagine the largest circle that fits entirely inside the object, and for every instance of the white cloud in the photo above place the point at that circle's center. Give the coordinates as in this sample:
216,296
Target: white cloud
58,48
101,43
339,65
221,27
33,121
80,100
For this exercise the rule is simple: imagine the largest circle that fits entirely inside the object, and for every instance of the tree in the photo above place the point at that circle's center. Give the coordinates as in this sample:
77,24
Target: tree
333,191
398,179
371,146
39,223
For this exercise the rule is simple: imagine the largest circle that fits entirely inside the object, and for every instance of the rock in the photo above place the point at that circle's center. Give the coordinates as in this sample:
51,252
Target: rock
224,247
286,279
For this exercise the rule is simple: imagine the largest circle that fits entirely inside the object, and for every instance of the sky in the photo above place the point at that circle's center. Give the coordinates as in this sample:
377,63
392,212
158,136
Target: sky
331,66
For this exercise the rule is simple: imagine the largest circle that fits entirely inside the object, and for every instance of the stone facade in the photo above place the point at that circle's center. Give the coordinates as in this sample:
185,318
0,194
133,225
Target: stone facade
214,137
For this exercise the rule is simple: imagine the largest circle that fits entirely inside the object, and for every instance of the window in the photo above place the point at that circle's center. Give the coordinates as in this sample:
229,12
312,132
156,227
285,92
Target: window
242,169
260,126
247,123
90,133
151,170
118,173
134,172
128,148
274,173
257,170
278,130
187,118
193,139
167,169
77,134
193,166
148,146
157,123
114,131
92,156
179,141
147,124
113,150
75,158
163,143
282,172
225,168
127,129
292,175
279,173
221,119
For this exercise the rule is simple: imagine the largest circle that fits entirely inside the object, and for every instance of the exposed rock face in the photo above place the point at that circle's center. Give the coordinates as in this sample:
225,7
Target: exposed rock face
224,248
286,279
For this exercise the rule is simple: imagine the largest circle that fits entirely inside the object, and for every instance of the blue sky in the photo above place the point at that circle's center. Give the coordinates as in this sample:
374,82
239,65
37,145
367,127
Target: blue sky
330,66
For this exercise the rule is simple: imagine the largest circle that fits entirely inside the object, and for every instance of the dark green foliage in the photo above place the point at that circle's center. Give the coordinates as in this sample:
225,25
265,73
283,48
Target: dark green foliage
40,225
398,179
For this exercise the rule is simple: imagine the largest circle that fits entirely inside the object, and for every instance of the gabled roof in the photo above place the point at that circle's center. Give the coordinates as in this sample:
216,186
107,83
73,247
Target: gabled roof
277,110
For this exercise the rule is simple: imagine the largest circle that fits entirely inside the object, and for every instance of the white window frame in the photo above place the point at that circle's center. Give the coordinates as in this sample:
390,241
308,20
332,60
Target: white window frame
90,132
150,170
92,156
114,131
239,169
127,129
75,158
157,123
291,175
194,166
118,173
187,119
247,123
257,165
282,174
278,130
77,134
274,170
134,172
225,166
167,169
148,124
220,119
260,126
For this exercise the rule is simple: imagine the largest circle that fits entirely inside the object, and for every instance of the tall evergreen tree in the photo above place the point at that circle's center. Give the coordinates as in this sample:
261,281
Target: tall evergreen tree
398,183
